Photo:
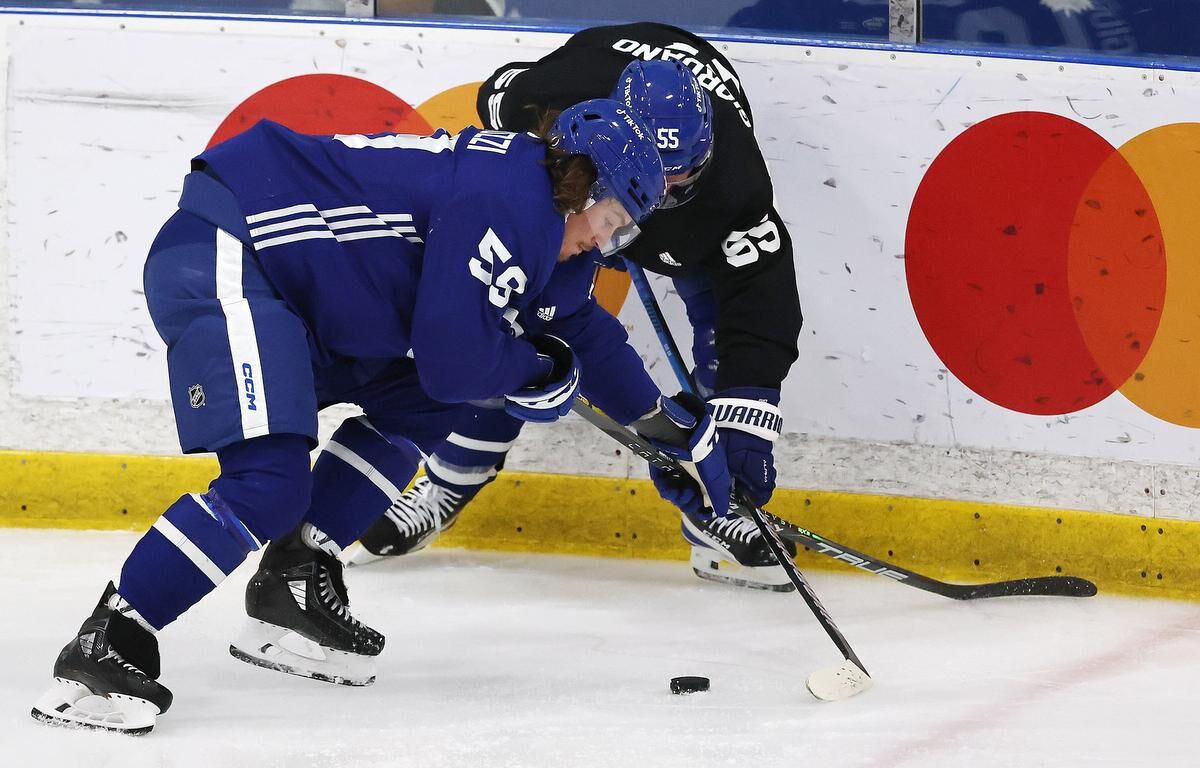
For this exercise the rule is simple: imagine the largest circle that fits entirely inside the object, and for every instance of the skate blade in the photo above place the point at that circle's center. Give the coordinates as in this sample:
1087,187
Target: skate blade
710,567
71,704
278,648
356,554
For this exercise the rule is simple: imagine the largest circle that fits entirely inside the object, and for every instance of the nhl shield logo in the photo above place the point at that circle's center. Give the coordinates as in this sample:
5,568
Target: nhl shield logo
196,396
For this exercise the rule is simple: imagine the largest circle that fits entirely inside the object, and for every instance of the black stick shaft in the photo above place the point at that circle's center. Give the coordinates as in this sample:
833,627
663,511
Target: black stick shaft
1054,586
769,533
638,445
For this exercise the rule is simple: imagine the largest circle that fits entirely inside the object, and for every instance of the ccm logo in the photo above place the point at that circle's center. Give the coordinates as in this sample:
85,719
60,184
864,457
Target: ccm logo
248,386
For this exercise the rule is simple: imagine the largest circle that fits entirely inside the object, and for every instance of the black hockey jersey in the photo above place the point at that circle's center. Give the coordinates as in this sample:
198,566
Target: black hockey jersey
729,229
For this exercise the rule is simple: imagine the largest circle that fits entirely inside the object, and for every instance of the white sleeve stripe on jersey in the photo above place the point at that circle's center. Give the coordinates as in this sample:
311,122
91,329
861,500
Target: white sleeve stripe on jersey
494,109
507,76
267,229
330,213
317,221
279,213
325,234
373,221
326,225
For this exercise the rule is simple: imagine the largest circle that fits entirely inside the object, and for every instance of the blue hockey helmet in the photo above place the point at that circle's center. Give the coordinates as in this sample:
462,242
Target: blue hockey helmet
619,144
630,182
669,98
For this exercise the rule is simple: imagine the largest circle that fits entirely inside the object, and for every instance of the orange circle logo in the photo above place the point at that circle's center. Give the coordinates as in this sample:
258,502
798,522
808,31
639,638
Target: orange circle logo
1049,269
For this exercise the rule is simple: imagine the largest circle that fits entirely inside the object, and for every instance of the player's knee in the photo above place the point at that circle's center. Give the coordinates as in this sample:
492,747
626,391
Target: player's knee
266,483
357,477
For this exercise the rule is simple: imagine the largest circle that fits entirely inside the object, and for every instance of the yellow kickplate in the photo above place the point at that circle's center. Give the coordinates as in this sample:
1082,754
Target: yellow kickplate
570,514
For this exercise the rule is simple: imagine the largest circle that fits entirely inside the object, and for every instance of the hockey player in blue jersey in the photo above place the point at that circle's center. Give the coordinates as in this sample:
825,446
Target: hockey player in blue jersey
390,271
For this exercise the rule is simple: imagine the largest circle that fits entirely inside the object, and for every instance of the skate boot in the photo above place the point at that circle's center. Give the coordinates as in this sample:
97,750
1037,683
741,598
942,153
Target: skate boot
299,618
731,550
106,678
413,521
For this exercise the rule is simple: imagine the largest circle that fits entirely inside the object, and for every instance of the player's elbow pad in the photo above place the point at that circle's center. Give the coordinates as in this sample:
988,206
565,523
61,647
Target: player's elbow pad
448,380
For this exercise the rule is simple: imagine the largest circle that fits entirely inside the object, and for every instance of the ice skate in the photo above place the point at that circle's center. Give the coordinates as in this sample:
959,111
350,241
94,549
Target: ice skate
731,550
412,523
106,677
299,619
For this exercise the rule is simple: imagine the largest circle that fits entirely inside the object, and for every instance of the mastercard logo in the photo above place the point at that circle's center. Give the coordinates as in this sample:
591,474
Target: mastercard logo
328,104
1049,269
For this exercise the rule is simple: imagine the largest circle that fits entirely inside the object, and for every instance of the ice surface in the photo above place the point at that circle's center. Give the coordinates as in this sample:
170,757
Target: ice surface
500,660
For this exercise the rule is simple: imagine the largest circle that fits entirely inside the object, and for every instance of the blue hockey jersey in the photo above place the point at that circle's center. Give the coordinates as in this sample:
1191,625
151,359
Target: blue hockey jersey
394,245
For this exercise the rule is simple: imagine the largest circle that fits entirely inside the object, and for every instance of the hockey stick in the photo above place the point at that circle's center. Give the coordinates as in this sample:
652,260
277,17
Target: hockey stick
841,682
646,295
1048,586
832,684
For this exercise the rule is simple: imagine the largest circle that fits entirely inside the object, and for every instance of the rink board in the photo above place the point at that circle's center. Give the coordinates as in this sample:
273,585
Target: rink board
886,448
564,514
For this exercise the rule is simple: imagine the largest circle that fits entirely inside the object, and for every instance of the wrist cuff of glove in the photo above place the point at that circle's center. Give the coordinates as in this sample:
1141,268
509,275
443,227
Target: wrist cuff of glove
555,356
752,410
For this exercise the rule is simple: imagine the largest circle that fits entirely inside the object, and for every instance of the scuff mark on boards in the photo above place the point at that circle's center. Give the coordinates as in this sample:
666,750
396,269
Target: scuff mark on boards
946,95
1071,104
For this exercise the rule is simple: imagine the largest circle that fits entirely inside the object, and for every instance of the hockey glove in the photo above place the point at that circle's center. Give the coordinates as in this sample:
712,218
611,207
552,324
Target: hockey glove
683,428
749,422
550,397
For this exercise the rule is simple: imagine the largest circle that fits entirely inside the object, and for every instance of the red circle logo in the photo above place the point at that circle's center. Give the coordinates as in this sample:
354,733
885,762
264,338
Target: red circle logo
1049,269
325,104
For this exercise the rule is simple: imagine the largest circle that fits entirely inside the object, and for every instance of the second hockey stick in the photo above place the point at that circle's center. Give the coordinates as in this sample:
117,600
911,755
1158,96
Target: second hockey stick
840,682
1048,586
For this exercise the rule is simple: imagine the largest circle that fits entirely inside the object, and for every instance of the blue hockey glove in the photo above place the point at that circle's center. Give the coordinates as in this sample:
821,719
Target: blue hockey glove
696,445
550,397
749,422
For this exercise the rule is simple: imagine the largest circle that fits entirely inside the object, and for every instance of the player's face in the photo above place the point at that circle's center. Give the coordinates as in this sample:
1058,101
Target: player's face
681,187
577,237
603,225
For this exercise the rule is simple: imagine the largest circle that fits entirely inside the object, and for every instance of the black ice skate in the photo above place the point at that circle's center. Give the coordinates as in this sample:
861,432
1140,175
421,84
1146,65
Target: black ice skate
412,523
731,550
106,678
299,619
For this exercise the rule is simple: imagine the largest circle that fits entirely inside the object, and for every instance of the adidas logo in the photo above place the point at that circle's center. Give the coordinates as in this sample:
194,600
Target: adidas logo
547,313
86,642
665,258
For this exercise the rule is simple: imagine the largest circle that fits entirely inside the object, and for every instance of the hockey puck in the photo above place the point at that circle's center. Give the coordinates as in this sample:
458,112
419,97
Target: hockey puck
689,684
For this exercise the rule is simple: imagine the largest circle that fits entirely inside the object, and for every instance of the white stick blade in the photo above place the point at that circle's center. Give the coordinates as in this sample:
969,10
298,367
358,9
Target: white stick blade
840,682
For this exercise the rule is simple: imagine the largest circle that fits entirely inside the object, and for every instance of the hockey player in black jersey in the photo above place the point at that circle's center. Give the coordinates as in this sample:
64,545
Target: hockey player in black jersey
718,235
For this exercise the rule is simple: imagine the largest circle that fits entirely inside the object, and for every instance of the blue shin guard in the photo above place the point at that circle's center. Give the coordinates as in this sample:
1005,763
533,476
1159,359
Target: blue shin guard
358,475
192,547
